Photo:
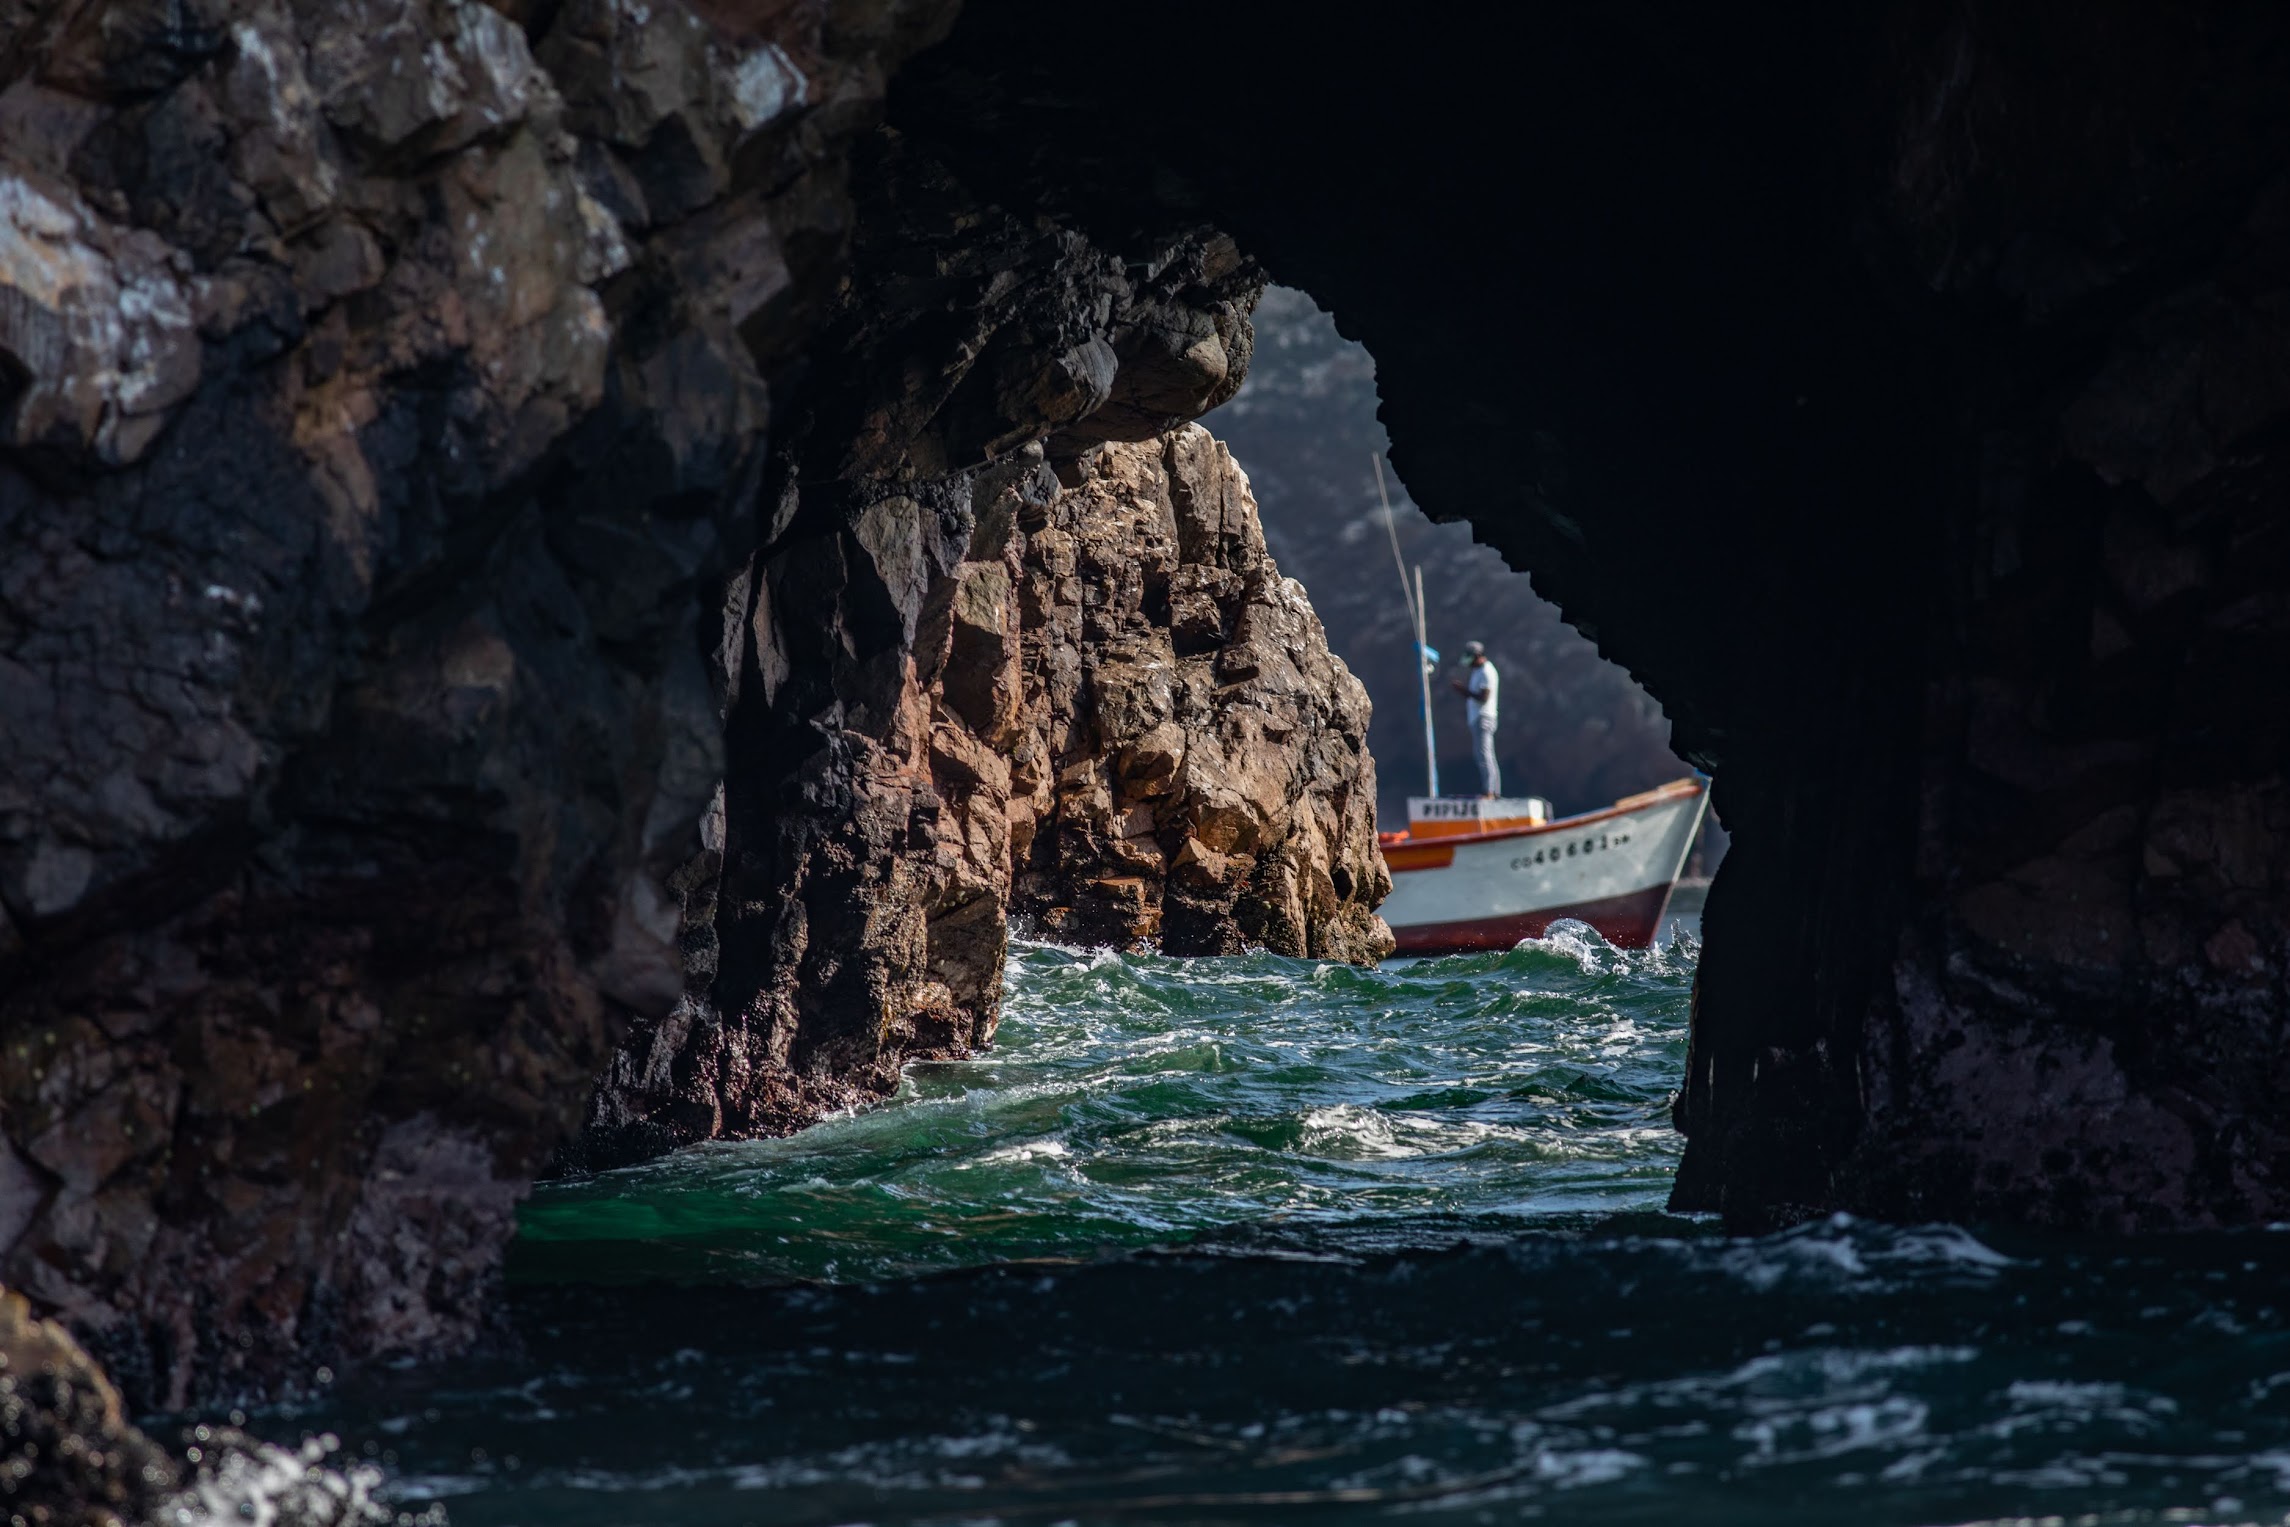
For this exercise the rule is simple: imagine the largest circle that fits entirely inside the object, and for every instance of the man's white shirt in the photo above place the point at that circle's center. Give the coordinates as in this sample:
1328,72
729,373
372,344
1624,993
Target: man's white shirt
1481,685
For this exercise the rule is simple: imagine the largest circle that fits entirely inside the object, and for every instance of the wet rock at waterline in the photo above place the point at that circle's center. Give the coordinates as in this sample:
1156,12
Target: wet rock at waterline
68,1454
1117,723
71,1457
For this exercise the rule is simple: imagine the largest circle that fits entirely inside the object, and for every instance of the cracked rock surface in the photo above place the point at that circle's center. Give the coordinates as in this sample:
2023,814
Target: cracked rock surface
1190,767
383,389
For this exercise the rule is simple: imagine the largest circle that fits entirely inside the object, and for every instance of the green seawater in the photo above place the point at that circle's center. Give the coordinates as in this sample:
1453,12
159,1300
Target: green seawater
1254,1239
1138,1101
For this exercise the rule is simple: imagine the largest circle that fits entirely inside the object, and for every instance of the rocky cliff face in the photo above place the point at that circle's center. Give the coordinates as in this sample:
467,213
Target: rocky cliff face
1192,767
512,533
384,400
858,906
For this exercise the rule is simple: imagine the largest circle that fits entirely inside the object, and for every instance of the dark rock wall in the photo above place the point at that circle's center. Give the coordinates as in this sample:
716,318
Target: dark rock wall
2086,1013
382,408
504,528
1895,391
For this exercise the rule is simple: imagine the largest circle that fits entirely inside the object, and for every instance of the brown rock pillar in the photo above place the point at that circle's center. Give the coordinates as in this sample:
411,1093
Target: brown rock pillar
1194,758
1113,721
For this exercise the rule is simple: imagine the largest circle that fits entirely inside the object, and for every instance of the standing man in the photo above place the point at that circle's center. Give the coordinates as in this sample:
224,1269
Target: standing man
1479,686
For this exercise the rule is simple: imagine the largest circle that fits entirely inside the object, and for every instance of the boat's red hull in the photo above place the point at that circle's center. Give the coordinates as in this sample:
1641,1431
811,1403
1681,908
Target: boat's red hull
1628,922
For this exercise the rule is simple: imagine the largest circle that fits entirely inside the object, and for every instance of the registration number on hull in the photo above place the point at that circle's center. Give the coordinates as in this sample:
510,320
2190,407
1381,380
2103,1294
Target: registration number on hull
1571,849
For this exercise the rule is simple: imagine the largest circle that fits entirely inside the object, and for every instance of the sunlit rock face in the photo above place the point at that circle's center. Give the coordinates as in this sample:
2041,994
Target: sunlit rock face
1192,768
382,402
1899,398
1012,644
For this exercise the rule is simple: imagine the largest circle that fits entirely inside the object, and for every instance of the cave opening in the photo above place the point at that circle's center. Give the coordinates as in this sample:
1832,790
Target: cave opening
1818,416
1039,356
1303,427
1155,634
1791,418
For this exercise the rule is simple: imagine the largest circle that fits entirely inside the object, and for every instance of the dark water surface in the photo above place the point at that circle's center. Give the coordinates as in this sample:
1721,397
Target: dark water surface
1262,1240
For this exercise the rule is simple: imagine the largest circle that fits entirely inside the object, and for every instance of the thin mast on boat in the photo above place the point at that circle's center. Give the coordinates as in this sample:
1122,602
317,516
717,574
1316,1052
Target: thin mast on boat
1425,658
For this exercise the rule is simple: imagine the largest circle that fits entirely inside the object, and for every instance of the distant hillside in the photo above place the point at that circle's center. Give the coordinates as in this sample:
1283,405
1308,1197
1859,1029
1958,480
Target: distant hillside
1575,727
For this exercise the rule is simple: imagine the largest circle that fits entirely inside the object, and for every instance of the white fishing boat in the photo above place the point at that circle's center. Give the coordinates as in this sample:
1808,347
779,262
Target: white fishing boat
1483,873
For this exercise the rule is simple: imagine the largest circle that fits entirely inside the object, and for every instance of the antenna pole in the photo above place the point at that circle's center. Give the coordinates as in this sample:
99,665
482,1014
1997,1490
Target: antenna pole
1423,672
1413,601
1391,528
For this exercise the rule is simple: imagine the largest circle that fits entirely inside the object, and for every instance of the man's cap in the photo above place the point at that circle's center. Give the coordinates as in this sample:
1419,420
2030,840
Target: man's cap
1475,649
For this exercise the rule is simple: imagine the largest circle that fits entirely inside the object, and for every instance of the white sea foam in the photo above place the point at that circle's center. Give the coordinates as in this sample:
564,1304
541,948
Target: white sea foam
245,1483
1023,1150
1347,1129
1842,1248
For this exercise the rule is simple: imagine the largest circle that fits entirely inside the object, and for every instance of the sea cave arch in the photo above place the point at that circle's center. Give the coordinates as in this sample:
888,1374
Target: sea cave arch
1896,392
1831,372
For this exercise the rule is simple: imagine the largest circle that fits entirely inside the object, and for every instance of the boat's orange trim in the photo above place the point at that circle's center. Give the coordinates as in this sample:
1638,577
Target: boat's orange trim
1418,856
1629,803
1659,793
1467,829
